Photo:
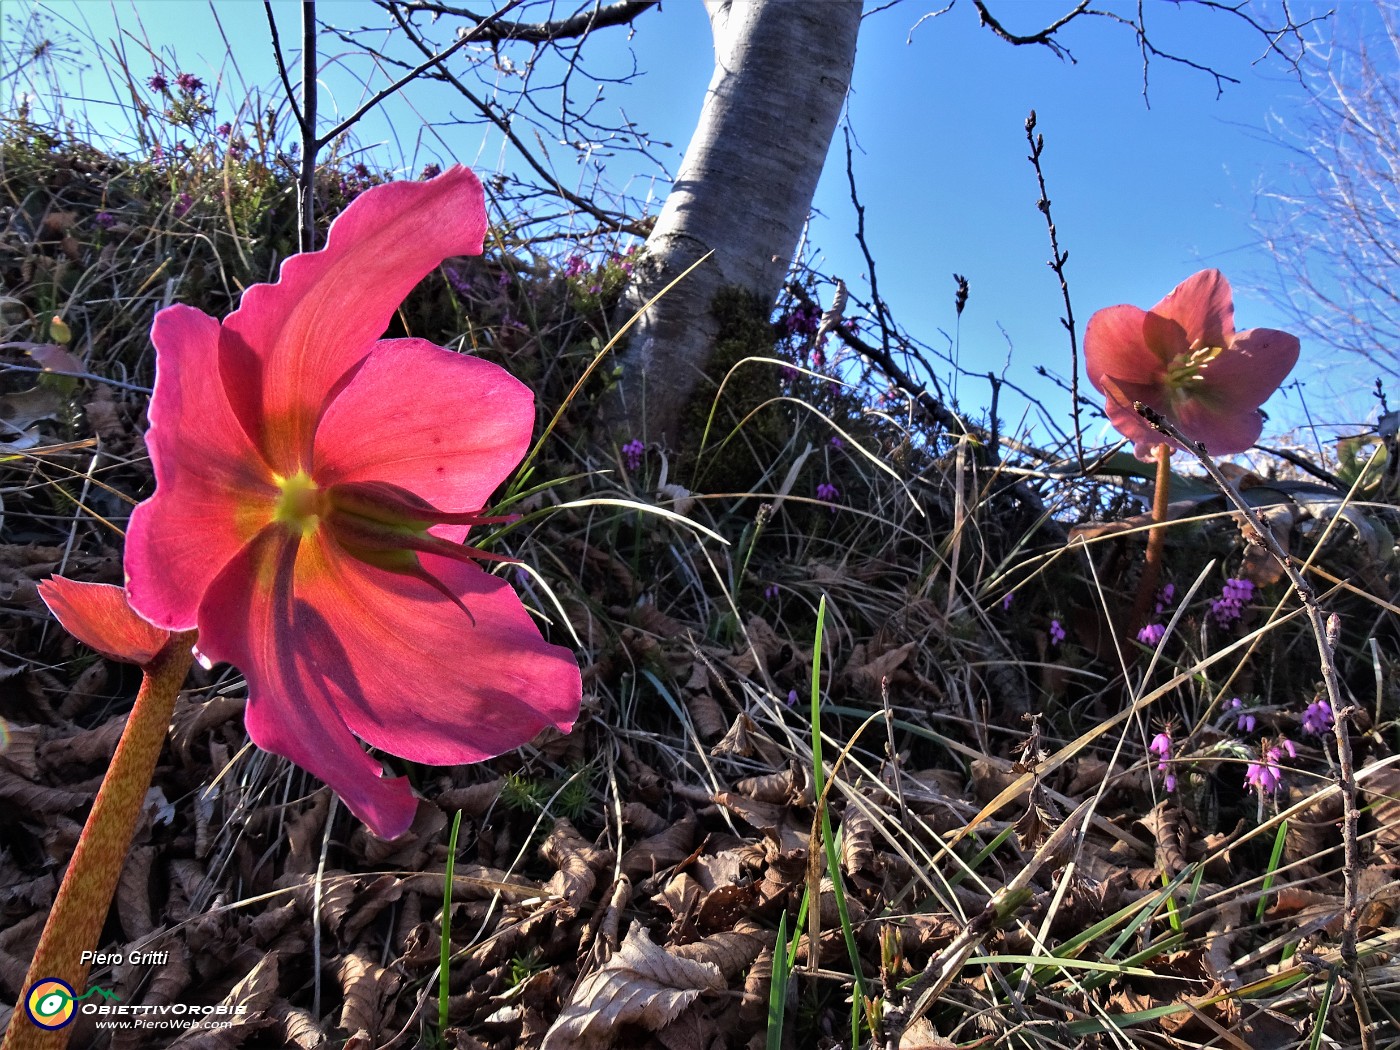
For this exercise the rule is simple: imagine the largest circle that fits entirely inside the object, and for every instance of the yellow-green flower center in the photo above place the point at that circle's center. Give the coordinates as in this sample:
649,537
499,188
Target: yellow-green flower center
1186,368
301,504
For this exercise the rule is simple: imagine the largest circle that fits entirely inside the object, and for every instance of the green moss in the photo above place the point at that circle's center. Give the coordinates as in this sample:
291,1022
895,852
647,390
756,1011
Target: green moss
735,461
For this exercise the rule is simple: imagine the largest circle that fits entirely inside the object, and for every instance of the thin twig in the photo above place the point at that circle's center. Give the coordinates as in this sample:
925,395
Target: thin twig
1325,631
1057,263
310,145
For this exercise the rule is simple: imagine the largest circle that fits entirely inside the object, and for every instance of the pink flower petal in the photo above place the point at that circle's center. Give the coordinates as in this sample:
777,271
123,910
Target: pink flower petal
1250,369
1118,406
450,441
210,481
1223,431
334,643
253,619
97,614
1204,308
1114,346
478,688
290,344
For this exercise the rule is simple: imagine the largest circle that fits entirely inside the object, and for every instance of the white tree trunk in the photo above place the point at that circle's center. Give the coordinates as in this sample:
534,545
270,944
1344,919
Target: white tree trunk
782,69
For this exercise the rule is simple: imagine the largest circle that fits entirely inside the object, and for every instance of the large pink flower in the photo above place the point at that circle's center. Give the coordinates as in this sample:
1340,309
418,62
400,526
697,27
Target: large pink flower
1185,359
314,484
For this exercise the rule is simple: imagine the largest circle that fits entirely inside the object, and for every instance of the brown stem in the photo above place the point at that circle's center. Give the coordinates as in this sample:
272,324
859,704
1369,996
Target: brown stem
1156,540
80,910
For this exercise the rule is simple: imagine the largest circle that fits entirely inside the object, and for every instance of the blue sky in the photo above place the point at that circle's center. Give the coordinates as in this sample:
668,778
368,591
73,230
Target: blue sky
1142,196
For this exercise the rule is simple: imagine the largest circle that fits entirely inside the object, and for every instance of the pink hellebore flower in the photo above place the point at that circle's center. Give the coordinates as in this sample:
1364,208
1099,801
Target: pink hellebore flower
1185,359
314,485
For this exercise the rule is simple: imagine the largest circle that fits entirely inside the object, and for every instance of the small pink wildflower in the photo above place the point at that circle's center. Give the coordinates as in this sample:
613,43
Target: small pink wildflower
1318,718
1185,359
1244,721
828,493
1228,608
1161,746
158,83
770,592
1007,600
1151,634
1265,775
1165,597
1057,633
633,453
189,83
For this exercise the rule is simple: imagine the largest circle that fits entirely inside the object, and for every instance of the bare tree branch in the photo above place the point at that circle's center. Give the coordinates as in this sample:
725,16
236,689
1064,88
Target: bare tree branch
624,12
1275,35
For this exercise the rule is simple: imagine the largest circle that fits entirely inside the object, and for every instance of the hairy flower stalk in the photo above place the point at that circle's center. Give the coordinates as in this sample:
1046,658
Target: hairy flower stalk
99,616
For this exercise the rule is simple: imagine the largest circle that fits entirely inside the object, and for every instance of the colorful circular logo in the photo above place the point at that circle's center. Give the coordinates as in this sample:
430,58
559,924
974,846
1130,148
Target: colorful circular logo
49,1003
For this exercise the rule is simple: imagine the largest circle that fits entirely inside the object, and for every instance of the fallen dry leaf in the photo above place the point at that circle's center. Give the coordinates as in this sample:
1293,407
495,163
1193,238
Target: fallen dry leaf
640,985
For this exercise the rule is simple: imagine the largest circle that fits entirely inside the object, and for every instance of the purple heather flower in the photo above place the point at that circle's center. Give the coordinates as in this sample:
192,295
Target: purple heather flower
1165,597
430,171
224,130
633,453
1244,721
1161,746
828,493
1057,633
158,83
104,220
1264,776
1318,718
183,204
792,698
836,442
802,320
1006,602
189,83
1226,609
157,153
575,265
1151,634
771,592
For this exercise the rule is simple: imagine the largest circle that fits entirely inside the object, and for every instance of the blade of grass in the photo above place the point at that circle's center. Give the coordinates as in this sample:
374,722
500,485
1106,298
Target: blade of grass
1274,859
446,949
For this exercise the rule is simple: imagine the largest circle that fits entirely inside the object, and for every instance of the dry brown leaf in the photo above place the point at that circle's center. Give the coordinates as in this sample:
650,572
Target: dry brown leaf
642,817
707,715
579,863
781,788
134,893
732,950
657,852
29,799
640,985
1313,832
773,820
366,986
921,1035
857,840
680,896
867,669
1381,792
1166,825
724,906
473,801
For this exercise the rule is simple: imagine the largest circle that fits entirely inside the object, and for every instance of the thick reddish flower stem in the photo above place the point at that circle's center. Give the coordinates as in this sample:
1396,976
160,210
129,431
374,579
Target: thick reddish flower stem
1156,540
80,910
